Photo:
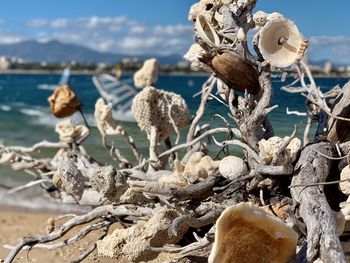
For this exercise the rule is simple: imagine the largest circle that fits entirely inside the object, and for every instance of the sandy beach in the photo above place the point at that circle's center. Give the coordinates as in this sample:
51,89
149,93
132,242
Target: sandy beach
15,225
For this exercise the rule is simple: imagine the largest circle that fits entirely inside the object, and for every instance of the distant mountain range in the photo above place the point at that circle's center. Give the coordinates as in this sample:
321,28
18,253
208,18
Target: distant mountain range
55,51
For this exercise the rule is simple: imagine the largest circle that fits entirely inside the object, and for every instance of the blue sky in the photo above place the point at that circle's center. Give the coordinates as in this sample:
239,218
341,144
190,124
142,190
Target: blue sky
160,26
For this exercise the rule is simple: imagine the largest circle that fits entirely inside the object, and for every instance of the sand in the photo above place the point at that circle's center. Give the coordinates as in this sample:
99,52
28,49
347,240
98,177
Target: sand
17,224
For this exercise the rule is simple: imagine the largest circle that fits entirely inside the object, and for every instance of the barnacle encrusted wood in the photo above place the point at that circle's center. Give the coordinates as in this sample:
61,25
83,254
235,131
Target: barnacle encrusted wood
63,102
151,108
133,243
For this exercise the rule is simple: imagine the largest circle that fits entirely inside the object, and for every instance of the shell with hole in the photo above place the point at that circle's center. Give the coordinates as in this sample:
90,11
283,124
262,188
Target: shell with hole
281,43
245,233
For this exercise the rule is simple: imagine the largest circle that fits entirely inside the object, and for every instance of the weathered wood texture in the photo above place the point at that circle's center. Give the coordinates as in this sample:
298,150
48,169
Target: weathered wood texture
322,238
339,131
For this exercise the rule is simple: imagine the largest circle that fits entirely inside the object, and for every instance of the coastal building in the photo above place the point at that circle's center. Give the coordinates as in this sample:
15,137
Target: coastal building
328,67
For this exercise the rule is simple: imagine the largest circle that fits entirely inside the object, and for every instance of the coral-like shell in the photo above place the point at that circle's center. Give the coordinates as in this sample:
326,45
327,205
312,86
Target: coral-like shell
63,102
235,72
199,167
232,167
104,182
68,132
104,118
151,109
176,177
200,8
147,75
133,242
267,148
345,175
68,177
193,55
281,43
260,18
274,16
245,233
206,32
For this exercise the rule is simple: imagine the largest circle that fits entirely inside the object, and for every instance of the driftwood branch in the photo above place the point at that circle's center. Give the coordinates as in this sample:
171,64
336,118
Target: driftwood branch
314,209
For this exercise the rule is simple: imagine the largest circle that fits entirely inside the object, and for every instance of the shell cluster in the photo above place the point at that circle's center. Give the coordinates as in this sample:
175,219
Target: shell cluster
69,132
268,148
152,107
199,167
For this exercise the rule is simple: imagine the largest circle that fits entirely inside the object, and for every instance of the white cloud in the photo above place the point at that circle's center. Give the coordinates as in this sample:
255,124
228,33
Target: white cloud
10,39
114,34
173,30
37,22
59,23
334,48
137,29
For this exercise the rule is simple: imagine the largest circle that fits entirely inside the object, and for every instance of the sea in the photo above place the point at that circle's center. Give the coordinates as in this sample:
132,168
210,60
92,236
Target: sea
25,118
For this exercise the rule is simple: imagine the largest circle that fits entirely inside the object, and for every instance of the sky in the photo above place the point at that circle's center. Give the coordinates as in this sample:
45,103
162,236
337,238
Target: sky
160,27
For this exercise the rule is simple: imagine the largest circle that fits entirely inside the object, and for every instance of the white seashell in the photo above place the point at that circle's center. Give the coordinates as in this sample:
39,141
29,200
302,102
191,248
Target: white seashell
267,148
281,44
147,76
232,167
199,167
244,233
200,8
68,132
193,55
241,36
260,18
206,32
345,175
274,16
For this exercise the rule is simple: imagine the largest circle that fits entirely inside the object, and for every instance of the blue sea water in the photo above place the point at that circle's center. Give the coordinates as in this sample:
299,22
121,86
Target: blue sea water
25,118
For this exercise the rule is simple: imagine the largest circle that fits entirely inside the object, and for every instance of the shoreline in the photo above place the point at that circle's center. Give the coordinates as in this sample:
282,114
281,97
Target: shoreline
127,73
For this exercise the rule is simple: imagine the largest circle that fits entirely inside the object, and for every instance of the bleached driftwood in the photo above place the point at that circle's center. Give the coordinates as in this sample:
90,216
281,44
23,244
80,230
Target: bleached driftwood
322,237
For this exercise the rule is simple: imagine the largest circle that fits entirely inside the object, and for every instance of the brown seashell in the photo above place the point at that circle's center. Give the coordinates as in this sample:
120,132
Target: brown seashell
235,72
63,102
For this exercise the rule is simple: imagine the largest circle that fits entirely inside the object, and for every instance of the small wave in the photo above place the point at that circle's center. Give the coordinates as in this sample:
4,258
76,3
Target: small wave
5,108
37,199
124,116
47,87
32,112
